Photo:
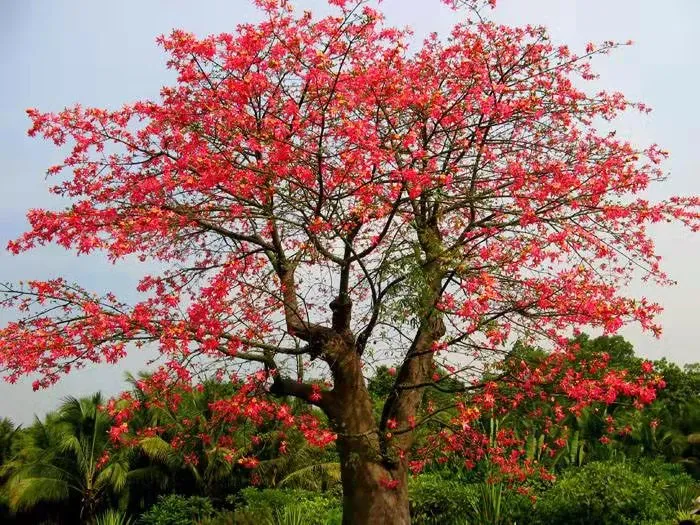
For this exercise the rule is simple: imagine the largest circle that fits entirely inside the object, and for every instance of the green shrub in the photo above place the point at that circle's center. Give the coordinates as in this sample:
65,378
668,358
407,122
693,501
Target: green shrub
603,493
178,510
668,474
678,487
684,518
490,507
291,515
320,511
281,506
113,517
260,499
437,500
682,497
224,517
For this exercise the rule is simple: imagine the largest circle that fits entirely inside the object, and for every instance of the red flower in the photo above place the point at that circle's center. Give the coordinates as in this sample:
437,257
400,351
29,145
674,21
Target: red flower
389,484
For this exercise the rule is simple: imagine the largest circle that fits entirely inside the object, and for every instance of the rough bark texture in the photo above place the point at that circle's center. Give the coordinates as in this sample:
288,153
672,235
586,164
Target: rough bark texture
368,475
374,478
365,500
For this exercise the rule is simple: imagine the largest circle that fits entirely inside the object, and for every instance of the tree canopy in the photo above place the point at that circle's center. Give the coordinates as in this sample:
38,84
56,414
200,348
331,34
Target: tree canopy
324,198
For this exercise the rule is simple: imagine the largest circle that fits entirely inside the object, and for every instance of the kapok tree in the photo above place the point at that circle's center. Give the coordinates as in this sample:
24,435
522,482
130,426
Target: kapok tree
323,197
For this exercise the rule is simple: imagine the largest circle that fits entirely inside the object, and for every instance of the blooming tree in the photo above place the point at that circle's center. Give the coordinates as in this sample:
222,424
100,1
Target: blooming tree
322,198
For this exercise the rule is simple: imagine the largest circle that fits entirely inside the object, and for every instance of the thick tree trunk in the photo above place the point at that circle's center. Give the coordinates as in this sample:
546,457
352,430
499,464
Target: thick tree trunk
367,500
374,484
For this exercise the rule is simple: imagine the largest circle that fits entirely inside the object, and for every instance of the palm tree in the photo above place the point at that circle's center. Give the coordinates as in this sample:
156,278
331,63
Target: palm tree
302,467
8,433
68,456
213,472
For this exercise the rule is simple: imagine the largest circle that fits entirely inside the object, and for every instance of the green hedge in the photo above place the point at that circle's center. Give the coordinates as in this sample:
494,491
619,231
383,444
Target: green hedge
178,510
603,493
642,492
256,507
437,500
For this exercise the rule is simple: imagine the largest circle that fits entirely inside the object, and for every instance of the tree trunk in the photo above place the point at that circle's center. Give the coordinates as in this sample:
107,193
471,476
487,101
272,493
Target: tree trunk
369,494
374,478
374,484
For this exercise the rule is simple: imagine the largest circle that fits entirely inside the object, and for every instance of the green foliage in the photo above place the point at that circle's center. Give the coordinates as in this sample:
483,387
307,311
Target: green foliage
255,506
67,458
679,489
254,499
381,383
682,383
306,513
287,516
178,510
50,468
113,517
575,451
602,493
213,474
435,499
621,352
682,497
320,511
226,517
315,477
8,434
302,467
488,508
667,427
666,474
684,517
533,447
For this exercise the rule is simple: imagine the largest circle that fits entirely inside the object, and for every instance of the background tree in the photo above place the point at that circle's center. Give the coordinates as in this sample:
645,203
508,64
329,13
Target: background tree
68,457
8,433
197,451
169,449
323,196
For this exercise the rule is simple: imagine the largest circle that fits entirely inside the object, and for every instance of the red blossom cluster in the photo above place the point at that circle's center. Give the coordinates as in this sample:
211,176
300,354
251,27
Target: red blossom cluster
248,407
560,385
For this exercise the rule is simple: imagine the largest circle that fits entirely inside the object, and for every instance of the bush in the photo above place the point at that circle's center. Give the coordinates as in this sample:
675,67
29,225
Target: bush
320,511
256,507
113,517
178,510
223,517
670,474
603,493
437,500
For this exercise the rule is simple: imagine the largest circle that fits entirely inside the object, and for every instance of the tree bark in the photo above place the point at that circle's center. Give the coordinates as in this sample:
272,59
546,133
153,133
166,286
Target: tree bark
367,500
374,484
375,480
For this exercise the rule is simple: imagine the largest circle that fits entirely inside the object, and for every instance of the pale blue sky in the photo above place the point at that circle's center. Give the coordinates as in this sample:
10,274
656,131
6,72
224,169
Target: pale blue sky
54,54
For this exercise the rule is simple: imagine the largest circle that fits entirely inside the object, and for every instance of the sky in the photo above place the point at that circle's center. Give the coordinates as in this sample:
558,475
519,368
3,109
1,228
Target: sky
54,54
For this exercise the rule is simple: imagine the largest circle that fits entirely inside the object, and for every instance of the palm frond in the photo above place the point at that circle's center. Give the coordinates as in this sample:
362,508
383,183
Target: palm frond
313,477
152,474
157,449
115,476
25,493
